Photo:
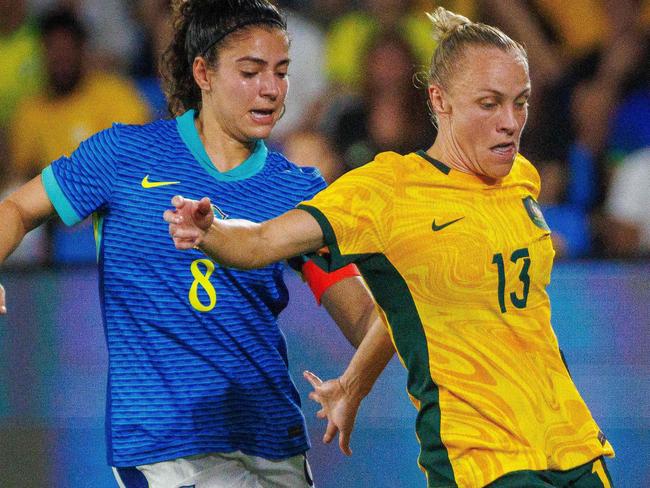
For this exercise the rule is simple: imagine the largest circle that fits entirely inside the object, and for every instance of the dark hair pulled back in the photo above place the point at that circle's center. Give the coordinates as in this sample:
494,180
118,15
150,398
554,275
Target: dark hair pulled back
200,27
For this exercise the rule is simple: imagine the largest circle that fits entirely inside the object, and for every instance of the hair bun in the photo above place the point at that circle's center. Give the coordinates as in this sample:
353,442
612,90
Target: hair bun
445,22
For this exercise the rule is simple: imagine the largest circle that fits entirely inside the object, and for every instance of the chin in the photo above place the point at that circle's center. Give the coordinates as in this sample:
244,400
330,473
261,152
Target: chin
499,169
260,132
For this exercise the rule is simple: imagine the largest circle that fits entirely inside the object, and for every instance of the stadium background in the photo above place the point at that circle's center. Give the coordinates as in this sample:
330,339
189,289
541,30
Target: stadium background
52,352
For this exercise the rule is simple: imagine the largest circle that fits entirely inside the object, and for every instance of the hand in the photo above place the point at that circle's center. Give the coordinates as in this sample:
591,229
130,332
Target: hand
3,306
338,406
189,221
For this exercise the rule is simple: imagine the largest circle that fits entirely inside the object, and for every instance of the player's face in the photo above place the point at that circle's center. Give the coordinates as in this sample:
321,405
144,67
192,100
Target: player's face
250,83
487,110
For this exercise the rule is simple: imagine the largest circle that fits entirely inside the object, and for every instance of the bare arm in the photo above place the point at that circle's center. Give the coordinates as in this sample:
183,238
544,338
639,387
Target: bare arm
247,245
20,212
241,243
351,306
340,398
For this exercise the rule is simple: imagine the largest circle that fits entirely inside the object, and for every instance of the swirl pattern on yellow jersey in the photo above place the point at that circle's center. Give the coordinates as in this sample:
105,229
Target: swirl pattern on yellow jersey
460,269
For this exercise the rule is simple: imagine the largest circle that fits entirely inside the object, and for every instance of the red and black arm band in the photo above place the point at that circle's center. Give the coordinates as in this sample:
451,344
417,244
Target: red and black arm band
317,279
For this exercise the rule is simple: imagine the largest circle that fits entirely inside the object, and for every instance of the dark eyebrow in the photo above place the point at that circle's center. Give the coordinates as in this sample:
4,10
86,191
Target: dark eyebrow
260,61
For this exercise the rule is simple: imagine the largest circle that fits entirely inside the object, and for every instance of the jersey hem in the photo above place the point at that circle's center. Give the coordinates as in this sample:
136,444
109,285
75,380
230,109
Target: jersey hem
130,461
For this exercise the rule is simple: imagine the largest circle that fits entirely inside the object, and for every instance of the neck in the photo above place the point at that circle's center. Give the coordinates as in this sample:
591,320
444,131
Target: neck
445,150
225,152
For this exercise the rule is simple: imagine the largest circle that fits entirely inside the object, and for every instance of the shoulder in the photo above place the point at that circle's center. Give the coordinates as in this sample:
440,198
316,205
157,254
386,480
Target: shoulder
385,164
376,177
278,166
158,129
278,163
136,137
525,173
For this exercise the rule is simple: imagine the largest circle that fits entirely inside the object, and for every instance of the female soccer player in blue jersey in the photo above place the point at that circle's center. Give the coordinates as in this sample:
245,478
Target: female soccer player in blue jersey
198,388
456,251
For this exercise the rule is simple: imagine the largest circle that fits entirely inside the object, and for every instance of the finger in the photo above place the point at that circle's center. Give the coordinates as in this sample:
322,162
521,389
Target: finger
178,201
344,443
172,217
314,396
185,234
204,206
330,432
314,380
184,245
321,414
3,307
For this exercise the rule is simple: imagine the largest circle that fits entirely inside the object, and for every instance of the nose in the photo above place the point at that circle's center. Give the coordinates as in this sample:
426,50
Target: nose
270,86
508,121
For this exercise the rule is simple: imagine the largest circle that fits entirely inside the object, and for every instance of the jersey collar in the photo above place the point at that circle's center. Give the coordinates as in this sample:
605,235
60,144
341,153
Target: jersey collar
190,136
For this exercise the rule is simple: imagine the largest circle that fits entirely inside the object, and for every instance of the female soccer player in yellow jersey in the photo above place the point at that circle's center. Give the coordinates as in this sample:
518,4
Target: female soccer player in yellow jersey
457,254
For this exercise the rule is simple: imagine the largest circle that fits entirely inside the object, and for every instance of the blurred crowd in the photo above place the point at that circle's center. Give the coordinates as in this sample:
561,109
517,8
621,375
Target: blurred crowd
70,68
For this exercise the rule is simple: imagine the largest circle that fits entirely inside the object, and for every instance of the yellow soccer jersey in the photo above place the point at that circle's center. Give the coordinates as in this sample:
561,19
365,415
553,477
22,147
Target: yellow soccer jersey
459,269
44,129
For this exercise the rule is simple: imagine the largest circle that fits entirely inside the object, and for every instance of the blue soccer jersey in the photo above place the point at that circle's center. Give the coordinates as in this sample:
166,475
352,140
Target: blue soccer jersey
197,362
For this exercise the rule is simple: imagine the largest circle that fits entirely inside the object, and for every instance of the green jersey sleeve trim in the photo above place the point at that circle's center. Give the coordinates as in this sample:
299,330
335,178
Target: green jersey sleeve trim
334,259
57,197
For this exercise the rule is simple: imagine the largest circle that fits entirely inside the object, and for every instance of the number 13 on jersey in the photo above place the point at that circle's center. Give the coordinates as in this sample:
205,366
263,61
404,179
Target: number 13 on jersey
517,301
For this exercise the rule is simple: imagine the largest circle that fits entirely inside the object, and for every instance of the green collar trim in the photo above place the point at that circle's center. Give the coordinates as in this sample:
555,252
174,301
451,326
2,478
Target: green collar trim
439,165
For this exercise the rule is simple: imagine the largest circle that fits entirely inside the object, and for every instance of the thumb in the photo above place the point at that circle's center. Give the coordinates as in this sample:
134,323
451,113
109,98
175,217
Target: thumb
204,207
344,442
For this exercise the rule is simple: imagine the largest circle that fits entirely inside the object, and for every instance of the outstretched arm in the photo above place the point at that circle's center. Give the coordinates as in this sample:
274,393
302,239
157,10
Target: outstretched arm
22,211
241,243
340,398
244,244
351,306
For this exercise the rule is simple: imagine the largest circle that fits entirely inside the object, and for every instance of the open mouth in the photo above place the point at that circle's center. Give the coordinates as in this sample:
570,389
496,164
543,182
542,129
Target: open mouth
504,148
262,114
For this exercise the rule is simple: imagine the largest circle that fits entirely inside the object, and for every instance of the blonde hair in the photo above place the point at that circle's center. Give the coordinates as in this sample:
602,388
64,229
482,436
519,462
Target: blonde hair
453,33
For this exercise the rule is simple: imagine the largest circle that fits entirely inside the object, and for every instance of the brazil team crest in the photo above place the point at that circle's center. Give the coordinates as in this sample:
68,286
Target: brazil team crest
535,213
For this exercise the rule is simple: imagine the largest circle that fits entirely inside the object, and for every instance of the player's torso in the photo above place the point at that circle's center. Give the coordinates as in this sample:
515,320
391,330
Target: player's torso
476,260
176,320
135,238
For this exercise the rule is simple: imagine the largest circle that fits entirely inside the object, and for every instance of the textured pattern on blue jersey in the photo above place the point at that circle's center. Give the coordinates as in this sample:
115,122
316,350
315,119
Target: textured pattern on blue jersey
184,381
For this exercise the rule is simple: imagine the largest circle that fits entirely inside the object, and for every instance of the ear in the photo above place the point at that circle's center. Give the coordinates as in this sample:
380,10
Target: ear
438,99
201,73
